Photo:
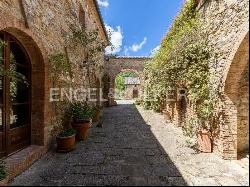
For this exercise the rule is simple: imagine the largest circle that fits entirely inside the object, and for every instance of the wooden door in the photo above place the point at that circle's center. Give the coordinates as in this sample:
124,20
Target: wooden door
15,94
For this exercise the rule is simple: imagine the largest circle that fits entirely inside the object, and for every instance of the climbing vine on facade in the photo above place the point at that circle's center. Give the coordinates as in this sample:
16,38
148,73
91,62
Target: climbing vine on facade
182,61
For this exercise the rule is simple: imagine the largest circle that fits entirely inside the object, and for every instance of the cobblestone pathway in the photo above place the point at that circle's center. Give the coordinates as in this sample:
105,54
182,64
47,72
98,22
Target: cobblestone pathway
134,147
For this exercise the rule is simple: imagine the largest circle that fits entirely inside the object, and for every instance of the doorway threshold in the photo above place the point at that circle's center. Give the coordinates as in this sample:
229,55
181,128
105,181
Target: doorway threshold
22,160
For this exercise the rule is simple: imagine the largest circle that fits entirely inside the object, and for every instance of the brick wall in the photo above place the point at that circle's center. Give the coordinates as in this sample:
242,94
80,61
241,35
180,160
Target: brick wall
227,25
43,28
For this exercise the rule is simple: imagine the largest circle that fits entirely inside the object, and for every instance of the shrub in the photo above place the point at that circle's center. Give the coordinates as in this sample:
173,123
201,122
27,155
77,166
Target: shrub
67,132
3,170
81,111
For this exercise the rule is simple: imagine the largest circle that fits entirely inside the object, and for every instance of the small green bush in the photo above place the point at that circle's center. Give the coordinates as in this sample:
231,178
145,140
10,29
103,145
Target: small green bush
81,111
3,170
138,101
67,132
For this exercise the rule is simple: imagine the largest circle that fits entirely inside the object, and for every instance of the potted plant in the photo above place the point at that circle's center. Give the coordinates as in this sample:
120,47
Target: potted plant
3,174
66,140
82,115
204,130
166,115
199,129
204,140
97,111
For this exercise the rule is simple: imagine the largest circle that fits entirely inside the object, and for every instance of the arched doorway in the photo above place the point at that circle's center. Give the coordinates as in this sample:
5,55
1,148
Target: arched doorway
15,96
127,85
237,91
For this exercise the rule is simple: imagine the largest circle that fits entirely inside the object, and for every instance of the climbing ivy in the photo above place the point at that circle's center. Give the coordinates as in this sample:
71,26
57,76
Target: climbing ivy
91,42
183,60
60,66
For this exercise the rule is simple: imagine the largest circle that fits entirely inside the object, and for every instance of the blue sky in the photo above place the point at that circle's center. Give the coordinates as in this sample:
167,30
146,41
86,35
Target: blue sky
138,26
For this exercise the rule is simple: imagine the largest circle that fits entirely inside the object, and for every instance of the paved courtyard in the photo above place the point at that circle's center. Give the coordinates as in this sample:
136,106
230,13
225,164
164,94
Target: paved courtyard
134,147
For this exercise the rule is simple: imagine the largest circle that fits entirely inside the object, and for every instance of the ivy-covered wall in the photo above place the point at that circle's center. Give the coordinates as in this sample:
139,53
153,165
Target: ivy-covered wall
197,55
227,25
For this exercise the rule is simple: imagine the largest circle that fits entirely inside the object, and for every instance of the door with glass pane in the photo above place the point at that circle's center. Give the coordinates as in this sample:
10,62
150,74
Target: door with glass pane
15,93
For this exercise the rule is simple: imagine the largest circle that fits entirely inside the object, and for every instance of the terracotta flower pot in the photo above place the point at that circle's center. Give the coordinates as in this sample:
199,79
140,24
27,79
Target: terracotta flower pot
65,144
204,141
4,182
97,116
167,116
82,127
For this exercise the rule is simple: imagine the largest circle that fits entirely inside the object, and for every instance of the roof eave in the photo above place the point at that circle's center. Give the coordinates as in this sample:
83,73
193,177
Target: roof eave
101,20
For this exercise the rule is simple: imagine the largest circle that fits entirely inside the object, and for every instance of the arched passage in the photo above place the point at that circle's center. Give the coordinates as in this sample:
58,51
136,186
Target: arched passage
116,65
237,91
128,84
26,112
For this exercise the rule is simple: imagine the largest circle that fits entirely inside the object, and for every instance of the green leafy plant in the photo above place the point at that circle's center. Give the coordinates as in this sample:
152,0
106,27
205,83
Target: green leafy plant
67,132
91,42
183,60
60,65
3,170
138,101
81,111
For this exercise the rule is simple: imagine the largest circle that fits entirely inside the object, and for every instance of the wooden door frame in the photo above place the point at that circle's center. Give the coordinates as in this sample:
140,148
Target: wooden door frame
7,97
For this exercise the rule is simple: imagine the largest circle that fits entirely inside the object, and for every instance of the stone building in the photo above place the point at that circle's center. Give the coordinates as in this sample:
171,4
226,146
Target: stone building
132,88
227,25
116,65
31,33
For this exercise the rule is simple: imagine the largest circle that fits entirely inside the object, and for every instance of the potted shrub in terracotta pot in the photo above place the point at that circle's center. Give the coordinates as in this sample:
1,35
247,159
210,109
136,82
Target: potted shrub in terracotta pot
197,128
82,115
97,112
3,174
204,141
166,115
205,130
66,140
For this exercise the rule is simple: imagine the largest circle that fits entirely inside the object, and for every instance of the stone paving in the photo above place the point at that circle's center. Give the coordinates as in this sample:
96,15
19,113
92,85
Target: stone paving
134,147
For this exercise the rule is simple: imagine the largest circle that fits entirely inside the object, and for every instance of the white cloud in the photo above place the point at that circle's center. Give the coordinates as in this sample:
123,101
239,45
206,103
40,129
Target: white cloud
103,3
136,47
116,37
126,51
155,50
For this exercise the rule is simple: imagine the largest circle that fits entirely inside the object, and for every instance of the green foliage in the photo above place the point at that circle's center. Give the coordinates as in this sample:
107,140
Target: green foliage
3,170
120,80
11,73
120,83
182,61
67,132
91,42
60,65
81,111
191,127
138,101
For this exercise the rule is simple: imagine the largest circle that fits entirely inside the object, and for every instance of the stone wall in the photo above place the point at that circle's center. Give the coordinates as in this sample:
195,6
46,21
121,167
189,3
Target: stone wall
132,92
116,65
227,25
45,28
